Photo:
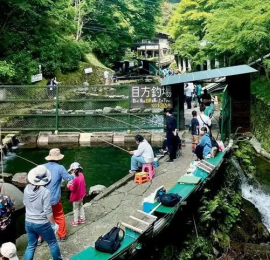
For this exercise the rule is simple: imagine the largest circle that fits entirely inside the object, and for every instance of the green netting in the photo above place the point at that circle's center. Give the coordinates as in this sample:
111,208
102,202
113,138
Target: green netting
90,108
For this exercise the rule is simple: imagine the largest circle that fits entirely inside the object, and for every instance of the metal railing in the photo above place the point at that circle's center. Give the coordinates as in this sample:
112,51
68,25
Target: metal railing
63,108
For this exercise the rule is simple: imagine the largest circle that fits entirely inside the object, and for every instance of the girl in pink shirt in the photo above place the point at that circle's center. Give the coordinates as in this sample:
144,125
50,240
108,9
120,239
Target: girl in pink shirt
78,191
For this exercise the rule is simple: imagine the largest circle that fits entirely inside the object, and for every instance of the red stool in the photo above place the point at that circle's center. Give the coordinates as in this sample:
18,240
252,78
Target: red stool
149,168
141,177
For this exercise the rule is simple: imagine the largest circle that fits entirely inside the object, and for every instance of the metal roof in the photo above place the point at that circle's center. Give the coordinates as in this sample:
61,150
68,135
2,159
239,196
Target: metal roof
207,74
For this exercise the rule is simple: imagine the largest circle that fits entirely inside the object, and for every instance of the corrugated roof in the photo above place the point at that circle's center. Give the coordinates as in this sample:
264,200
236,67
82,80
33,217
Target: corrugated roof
207,74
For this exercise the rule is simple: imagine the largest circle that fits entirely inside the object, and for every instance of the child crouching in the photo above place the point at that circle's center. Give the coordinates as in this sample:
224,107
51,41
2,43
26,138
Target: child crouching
78,191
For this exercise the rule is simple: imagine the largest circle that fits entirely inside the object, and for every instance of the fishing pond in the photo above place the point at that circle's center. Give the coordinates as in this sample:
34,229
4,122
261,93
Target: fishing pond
103,165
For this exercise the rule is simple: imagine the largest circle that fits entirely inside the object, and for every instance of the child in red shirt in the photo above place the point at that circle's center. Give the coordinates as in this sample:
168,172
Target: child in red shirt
78,191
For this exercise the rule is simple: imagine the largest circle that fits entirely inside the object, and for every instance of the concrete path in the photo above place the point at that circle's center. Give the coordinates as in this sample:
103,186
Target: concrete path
104,213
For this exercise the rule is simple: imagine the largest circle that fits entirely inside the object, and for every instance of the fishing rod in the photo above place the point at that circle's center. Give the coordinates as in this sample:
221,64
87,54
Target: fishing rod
127,124
102,140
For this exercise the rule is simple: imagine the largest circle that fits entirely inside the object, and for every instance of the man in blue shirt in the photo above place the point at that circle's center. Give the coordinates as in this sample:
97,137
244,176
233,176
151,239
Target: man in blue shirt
58,173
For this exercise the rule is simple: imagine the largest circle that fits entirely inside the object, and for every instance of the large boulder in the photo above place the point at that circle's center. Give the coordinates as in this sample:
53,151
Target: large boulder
107,110
94,190
118,109
20,177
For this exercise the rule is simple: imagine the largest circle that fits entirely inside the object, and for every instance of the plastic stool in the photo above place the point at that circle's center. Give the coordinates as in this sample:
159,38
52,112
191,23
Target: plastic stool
141,177
149,168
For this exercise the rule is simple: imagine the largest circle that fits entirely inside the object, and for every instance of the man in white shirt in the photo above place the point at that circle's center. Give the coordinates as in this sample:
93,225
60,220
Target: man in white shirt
106,77
188,93
203,119
144,154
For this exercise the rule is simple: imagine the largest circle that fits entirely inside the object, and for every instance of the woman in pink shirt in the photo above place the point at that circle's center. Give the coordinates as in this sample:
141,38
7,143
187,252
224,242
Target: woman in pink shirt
78,191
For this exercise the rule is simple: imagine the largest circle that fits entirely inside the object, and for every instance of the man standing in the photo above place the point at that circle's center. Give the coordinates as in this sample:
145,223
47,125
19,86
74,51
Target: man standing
144,154
58,173
206,98
204,121
188,93
171,134
199,93
106,77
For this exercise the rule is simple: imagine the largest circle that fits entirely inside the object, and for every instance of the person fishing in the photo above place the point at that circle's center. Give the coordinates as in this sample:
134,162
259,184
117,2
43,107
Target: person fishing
78,192
58,173
144,154
39,216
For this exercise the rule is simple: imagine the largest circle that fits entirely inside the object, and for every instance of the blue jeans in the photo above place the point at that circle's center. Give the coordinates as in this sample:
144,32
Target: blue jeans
136,162
45,230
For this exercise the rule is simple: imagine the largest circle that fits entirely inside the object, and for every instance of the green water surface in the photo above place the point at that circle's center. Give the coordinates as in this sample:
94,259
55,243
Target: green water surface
101,165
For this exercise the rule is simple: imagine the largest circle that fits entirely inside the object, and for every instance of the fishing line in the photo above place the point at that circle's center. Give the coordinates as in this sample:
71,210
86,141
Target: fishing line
127,124
25,159
102,140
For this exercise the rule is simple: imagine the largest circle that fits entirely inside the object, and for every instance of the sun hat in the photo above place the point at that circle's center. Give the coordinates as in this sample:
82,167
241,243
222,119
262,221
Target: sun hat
9,251
54,155
39,176
74,166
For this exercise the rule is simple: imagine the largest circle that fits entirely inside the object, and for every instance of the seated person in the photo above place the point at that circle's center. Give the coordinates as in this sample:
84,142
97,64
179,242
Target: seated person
204,148
144,154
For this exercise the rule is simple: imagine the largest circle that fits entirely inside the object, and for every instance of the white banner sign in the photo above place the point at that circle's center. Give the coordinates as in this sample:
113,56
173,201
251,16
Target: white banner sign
36,78
88,70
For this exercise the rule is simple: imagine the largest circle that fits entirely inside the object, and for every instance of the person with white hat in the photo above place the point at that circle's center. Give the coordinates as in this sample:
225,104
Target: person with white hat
39,217
9,251
78,192
58,173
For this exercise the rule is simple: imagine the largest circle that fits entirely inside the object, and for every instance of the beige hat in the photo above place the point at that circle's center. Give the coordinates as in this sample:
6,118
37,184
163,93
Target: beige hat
9,251
39,176
54,155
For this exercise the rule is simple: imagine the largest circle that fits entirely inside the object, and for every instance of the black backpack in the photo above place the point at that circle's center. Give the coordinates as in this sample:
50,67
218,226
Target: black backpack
214,143
110,242
169,199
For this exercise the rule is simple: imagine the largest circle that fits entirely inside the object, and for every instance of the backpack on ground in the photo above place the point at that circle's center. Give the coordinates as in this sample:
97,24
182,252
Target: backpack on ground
110,242
169,199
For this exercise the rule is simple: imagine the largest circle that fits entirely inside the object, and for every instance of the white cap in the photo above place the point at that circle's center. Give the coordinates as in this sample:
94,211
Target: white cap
9,251
74,166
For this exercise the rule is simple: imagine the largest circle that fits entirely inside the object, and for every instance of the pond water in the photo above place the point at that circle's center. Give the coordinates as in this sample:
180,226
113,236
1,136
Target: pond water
101,165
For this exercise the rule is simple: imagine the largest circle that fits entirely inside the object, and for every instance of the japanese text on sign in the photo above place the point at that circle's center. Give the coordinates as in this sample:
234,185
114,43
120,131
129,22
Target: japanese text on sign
150,96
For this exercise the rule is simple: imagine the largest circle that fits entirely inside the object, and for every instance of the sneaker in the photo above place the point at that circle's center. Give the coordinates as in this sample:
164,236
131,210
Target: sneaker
82,220
132,172
63,239
40,240
74,223
170,161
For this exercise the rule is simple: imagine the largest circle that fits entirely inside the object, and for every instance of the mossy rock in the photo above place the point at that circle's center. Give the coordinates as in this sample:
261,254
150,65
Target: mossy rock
250,229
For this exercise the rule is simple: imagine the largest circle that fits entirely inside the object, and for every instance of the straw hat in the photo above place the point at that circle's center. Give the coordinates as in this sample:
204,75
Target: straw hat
54,155
39,176
74,166
9,251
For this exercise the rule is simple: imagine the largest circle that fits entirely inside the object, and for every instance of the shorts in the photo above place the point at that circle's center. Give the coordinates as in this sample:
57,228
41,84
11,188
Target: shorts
195,139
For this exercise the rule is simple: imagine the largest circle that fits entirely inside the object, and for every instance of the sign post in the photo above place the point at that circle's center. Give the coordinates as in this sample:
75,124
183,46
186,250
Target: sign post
150,96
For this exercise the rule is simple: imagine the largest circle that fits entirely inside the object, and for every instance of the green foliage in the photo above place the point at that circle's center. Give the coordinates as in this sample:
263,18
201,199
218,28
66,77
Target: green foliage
221,213
197,248
7,71
244,153
214,29
58,35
